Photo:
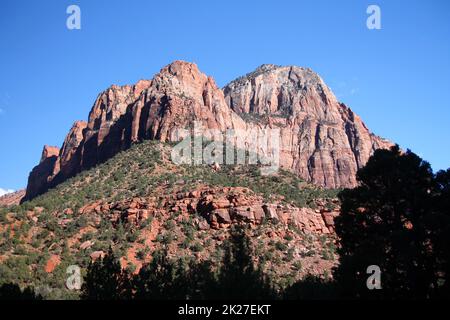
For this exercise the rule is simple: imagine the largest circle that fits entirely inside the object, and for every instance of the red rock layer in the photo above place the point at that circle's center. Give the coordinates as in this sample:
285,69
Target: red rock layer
321,139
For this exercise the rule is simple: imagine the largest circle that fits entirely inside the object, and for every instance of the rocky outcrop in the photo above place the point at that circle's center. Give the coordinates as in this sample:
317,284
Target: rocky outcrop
52,263
39,180
70,155
185,223
321,139
216,208
12,198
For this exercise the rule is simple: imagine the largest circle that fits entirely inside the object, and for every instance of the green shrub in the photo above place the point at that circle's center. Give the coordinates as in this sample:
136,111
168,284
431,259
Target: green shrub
281,246
197,247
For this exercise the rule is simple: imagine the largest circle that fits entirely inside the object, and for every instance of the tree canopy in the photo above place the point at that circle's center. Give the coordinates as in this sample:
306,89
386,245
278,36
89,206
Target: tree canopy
397,219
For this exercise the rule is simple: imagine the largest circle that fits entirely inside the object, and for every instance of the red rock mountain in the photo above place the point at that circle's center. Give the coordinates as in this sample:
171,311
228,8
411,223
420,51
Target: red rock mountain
321,139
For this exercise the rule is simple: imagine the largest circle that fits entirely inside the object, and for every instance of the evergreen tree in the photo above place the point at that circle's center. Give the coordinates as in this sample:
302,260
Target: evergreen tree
238,277
390,220
105,280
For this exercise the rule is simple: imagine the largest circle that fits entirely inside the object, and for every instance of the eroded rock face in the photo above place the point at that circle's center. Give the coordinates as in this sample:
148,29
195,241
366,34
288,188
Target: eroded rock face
70,155
321,139
216,208
179,95
40,177
108,127
275,90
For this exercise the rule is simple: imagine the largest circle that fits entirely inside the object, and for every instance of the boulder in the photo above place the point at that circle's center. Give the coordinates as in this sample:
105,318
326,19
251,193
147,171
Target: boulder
270,211
243,214
86,245
52,263
222,215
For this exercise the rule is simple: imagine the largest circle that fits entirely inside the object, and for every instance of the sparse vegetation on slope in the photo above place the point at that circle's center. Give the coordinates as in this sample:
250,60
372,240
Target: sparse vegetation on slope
42,237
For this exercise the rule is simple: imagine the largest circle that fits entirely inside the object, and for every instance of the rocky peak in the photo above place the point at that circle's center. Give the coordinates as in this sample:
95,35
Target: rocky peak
140,86
267,67
110,105
183,78
322,140
41,175
48,152
272,89
70,151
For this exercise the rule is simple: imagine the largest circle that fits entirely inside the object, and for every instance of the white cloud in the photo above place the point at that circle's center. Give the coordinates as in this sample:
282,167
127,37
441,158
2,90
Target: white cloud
5,191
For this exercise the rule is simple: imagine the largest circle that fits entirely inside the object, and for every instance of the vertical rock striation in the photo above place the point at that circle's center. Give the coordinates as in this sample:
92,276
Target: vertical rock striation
321,139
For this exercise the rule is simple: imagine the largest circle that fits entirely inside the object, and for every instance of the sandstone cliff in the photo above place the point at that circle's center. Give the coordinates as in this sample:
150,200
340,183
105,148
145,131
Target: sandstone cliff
322,140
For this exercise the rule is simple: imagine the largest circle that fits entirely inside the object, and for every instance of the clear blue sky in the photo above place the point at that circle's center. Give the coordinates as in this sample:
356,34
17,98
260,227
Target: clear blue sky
397,78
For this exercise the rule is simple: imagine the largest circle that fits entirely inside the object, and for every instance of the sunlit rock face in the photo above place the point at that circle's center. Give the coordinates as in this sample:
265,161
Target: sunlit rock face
321,139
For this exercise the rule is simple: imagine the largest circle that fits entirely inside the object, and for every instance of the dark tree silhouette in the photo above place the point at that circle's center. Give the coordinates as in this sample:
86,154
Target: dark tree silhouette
10,291
105,280
165,278
391,220
311,288
158,279
439,230
238,278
